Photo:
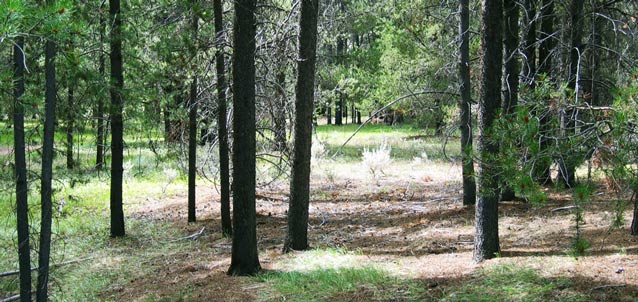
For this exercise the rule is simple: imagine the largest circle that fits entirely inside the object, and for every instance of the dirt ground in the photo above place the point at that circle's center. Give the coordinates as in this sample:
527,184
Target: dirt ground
411,217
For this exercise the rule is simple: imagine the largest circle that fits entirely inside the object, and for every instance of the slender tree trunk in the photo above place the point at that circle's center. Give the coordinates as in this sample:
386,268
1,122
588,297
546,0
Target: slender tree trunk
224,170
542,167
46,191
279,110
244,260
22,188
469,185
192,128
634,220
297,238
70,127
529,43
117,127
329,114
511,70
567,164
99,157
486,242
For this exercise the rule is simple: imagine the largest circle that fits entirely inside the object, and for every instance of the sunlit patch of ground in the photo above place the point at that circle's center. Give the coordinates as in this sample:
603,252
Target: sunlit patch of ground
408,222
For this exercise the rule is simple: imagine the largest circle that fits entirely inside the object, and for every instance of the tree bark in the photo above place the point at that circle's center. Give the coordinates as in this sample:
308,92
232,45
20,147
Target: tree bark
117,127
192,128
22,189
222,132
469,184
486,242
244,259
297,238
47,169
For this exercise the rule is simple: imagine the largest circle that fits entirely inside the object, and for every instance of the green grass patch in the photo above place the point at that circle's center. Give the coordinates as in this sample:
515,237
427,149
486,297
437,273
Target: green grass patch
336,275
513,284
342,284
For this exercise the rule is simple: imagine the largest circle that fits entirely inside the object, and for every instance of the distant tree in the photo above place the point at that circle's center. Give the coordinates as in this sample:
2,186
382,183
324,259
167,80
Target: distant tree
244,260
486,242
22,189
46,192
117,128
469,184
297,237
99,114
192,125
222,132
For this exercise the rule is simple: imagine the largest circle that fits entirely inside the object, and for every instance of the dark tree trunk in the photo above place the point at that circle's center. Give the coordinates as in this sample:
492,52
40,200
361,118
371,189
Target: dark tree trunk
528,47
329,114
279,110
511,70
117,127
222,132
567,164
192,128
244,260
469,184
99,157
542,167
338,112
70,126
297,238
486,242
22,189
47,170
341,95
634,220
359,117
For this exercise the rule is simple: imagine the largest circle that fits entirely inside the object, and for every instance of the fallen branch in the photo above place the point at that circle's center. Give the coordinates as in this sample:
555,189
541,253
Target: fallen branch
608,286
11,273
193,236
12,298
374,114
564,208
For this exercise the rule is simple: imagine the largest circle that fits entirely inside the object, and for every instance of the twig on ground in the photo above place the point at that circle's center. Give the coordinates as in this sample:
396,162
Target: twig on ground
193,236
12,298
563,208
11,273
608,286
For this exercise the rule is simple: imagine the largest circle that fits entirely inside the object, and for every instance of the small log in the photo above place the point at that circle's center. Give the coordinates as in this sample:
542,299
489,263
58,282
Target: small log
12,298
564,208
608,286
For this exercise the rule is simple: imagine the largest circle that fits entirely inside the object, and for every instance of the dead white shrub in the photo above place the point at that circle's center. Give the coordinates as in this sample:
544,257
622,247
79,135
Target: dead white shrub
376,160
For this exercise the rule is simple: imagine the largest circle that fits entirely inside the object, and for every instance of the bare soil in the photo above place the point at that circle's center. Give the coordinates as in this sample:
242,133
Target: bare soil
411,218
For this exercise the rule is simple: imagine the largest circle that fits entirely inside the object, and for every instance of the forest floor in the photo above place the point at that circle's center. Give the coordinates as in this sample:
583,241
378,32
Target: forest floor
409,223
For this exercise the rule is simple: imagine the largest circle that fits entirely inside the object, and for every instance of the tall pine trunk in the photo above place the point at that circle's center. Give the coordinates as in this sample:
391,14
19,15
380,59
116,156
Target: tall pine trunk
297,238
542,167
192,127
22,188
117,127
46,191
511,70
486,242
567,164
469,184
222,132
244,259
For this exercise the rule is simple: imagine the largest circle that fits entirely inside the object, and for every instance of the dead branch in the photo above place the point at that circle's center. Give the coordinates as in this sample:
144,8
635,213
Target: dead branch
11,273
374,114
608,286
12,298
564,208
193,236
